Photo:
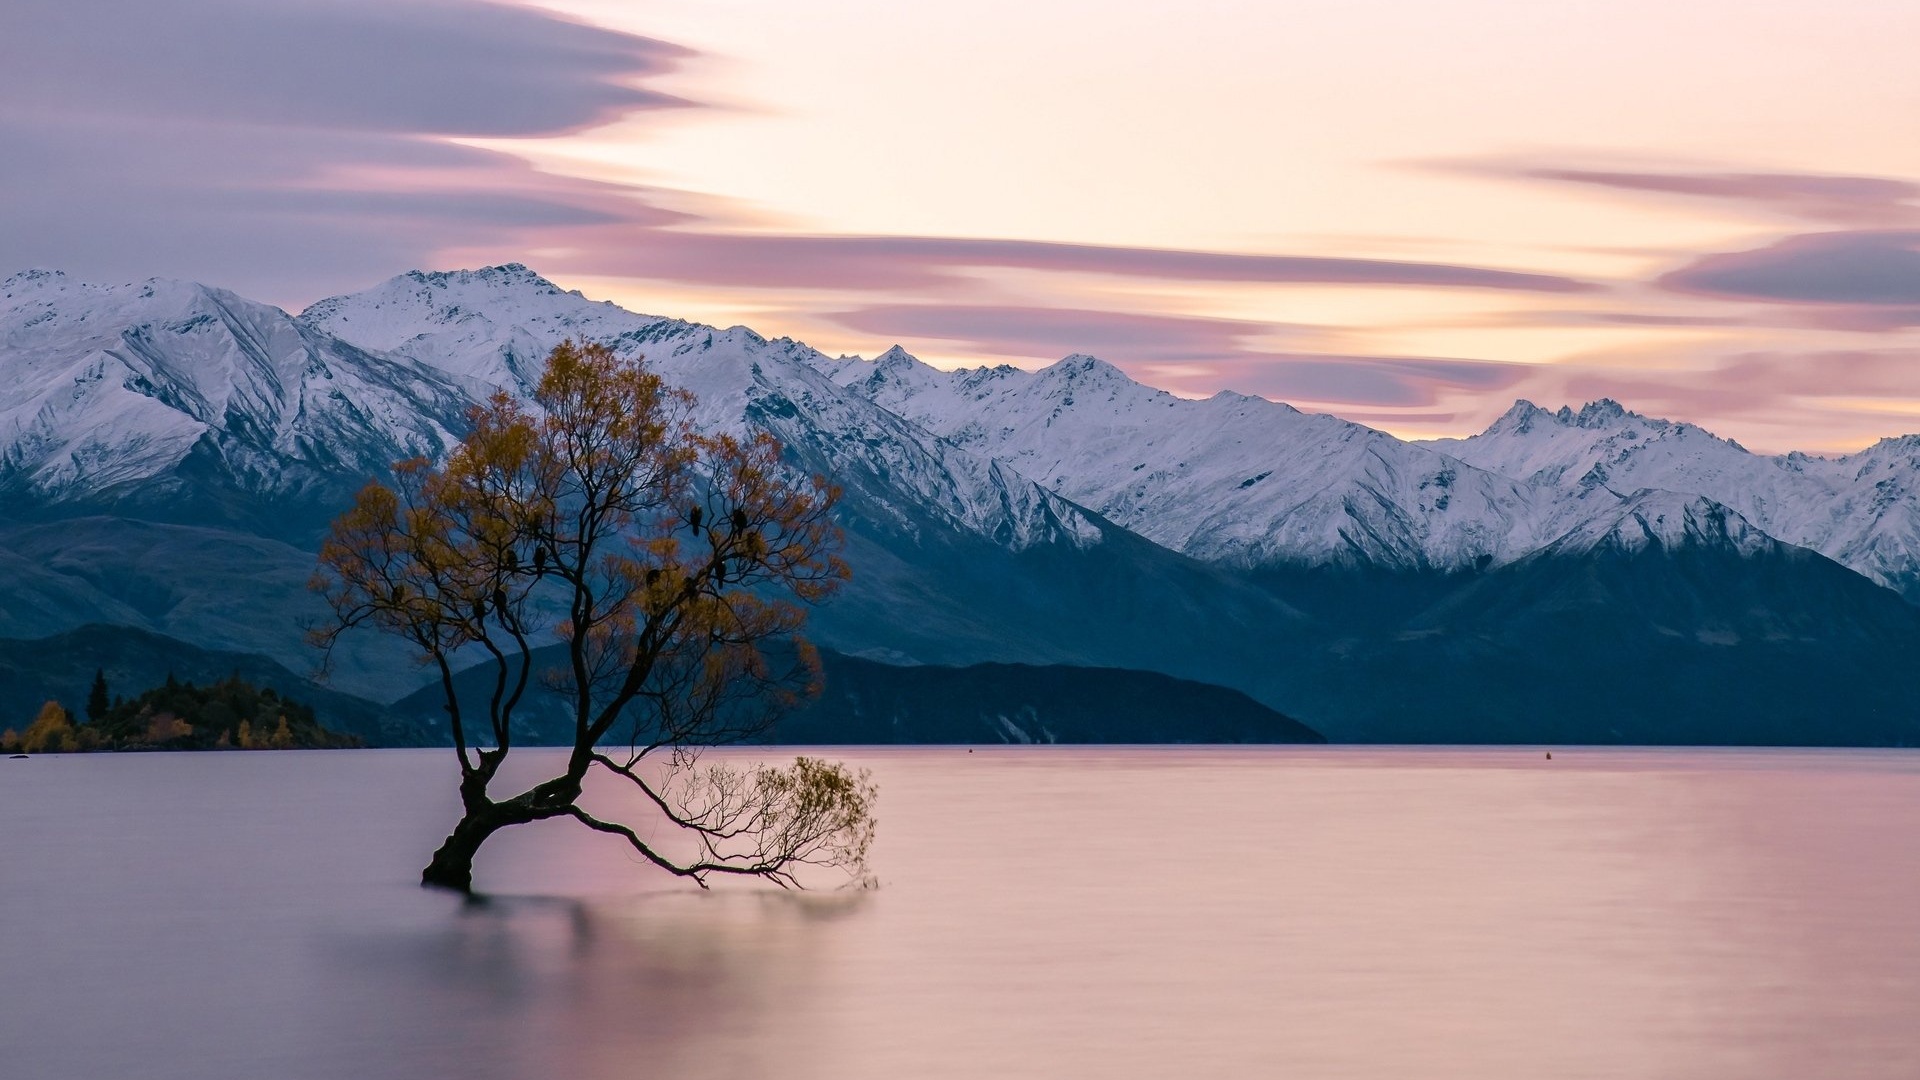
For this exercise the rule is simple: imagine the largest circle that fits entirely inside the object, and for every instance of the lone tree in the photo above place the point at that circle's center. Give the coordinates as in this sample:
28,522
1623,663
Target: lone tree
659,564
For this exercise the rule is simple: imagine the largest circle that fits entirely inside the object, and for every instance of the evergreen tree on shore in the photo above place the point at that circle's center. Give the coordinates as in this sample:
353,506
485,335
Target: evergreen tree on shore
97,700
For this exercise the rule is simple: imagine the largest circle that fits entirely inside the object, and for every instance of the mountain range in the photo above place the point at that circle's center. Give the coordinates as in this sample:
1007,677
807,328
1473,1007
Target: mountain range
170,454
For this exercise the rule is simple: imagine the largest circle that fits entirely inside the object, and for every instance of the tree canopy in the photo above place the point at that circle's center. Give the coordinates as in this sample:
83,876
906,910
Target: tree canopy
665,560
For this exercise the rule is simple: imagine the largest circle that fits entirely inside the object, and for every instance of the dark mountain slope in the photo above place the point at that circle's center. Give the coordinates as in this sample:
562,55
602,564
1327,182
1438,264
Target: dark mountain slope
867,702
1712,635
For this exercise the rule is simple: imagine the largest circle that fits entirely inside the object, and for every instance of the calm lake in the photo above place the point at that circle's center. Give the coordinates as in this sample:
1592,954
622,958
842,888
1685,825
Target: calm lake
1043,912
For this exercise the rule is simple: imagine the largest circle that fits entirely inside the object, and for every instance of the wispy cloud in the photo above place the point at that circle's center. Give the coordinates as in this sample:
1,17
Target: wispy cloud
1039,333
1774,400
1394,381
1867,279
1813,196
892,261
295,148
395,66
1829,198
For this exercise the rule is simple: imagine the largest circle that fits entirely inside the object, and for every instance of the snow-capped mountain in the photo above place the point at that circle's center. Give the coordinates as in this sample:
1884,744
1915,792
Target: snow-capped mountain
1861,510
1232,479
152,435
1676,622
168,389
157,386
1248,482
492,329
1653,520
957,555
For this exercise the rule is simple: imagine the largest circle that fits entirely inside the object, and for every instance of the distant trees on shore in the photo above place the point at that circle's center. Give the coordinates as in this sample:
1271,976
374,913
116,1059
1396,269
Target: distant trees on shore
231,714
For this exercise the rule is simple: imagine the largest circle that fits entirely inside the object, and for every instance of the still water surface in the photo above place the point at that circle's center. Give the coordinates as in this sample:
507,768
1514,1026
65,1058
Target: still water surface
1044,912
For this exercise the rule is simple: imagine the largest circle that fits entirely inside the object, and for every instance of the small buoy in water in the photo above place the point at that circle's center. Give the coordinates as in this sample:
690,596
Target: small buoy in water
1549,755
969,749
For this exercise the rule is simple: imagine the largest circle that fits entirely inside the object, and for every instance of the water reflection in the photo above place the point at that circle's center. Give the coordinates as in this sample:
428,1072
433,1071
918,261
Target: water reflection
681,985
1044,912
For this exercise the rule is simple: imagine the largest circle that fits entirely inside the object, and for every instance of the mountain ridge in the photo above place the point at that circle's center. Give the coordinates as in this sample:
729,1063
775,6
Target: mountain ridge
1862,509
1230,479
1068,515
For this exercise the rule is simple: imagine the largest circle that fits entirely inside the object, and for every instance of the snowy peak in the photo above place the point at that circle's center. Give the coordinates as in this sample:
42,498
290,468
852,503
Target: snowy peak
50,303
1862,510
164,388
895,475
1604,413
1663,521
1083,370
1569,448
492,329
502,277
29,279
489,328
1232,479
1520,419
1604,416
1887,454
893,375
895,358
1085,379
439,293
103,387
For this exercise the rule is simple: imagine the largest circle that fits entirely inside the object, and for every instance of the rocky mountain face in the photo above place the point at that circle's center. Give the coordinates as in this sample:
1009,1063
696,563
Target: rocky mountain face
958,556
193,403
1676,622
169,453
1861,510
1232,479
1254,483
491,330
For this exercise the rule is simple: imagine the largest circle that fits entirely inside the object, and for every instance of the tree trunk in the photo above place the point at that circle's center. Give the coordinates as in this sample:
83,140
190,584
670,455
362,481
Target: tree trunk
452,865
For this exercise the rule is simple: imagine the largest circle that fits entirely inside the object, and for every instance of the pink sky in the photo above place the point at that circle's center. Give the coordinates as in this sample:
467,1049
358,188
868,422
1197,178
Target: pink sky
1406,213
